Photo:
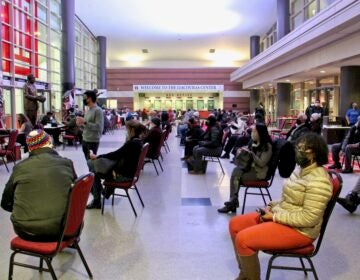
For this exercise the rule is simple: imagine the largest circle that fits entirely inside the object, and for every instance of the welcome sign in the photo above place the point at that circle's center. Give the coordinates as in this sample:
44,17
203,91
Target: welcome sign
182,88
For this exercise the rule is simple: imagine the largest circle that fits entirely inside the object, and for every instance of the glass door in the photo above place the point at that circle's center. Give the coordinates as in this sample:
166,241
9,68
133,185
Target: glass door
189,104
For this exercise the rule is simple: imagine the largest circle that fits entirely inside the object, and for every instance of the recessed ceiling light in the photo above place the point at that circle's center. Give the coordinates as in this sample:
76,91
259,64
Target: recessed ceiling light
288,81
322,71
145,51
211,50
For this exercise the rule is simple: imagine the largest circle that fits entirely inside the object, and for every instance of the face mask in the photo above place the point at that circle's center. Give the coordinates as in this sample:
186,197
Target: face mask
85,102
302,160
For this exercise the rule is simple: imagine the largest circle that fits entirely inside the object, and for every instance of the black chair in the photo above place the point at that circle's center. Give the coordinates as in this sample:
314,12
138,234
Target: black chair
310,251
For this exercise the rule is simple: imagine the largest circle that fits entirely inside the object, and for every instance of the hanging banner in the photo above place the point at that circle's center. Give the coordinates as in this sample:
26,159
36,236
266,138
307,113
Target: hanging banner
189,88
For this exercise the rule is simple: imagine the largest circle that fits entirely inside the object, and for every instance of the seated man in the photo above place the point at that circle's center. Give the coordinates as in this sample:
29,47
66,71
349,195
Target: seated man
350,146
49,119
71,126
193,136
301,126
37,191
237,130
352,200
153,137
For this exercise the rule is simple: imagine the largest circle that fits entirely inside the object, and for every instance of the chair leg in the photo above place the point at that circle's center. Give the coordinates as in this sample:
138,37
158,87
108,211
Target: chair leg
83,259
103,205
41,264
244,201
132,206
303,265
267,190
160,165
11,265
262,195
155,167
51,270
313,268
269,267
137,191
113,198
222,169
5,164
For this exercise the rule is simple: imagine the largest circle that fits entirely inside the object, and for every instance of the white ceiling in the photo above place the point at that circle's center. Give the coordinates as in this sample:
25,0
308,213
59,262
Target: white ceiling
177,33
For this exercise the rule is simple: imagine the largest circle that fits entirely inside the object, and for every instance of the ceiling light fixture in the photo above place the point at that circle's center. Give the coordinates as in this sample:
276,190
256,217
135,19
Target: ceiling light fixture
145,51
288,81
322,71
211,50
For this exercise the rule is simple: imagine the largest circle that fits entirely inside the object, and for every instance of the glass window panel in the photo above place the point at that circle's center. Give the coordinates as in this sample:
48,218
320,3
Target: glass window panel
42,32
42,48
55,77
41,13
78,51
22,40
297,20
6,66
21,55
5,50
5,32
55,7
55,53
310,10
5,12
19,101
296,6
21,69
55,66
23,4
55,22
42,75
77,36
42,62
42,2
55,39
21,21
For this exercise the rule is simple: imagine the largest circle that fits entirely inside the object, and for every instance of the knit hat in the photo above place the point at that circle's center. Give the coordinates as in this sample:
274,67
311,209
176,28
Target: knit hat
37,139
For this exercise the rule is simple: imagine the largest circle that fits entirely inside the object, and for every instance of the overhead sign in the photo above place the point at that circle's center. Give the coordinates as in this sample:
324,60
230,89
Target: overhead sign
190,88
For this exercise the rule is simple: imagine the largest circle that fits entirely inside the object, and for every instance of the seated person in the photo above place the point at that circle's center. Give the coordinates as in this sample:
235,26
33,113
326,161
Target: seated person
210,145
292,222
301,126
352,200
71,126
125,160
349,146
55,133
251,164
238,130
153,137
35,181
193,136
25,128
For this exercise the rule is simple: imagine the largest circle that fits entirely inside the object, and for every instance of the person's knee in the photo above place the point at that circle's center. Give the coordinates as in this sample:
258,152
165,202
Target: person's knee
241,244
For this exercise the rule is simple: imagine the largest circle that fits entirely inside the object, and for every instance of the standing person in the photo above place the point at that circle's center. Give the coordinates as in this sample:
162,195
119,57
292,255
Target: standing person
352,114
92,124
31,99
260,113
37,191
292,222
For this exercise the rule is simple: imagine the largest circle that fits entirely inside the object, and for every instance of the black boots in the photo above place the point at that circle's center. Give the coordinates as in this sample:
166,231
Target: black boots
94,204
230,206
350,202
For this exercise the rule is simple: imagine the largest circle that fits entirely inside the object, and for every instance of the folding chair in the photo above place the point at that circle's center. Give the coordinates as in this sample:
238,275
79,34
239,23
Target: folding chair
128,184
309,251
157,154
9,151
69,235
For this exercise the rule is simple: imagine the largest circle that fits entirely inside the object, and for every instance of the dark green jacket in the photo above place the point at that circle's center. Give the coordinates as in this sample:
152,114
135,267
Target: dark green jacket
37,194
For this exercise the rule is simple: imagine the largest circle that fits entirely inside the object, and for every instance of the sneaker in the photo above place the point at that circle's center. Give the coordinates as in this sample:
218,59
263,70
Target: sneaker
94,205
346,171
335,166
347,204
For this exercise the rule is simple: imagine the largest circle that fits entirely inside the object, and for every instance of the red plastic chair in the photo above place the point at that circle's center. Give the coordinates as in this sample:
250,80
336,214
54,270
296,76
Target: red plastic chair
69,235
128,184
9,151
158,153
311,250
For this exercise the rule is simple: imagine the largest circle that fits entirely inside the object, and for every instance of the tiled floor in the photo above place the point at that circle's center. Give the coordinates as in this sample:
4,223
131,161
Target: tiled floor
179,234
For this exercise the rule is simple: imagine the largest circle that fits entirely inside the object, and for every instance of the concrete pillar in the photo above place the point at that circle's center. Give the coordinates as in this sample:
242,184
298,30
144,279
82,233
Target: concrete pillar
254,46
254,99
102,62
349,87
68,44
283,18
283,99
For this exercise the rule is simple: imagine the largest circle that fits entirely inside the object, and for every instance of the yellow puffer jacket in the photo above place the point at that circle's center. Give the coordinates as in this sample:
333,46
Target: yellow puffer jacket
304,199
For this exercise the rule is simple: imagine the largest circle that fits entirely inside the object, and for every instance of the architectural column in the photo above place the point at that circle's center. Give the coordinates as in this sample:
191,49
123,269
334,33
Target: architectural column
254,51
283,18
68,44
1,54
102,62
283,99
349,87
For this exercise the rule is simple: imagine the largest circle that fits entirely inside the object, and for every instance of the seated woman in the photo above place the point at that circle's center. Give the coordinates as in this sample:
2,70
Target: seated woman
251,164
193,136
125,161
292,222
25,128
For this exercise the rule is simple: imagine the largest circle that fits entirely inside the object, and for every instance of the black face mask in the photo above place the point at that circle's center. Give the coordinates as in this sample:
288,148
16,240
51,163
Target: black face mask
85,102
302,160
207,123
298,121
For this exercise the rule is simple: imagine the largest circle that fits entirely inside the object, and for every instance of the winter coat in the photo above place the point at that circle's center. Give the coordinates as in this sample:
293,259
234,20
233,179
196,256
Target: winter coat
304,199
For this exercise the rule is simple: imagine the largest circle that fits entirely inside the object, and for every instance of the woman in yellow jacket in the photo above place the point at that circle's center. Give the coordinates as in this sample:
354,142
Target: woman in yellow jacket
292,222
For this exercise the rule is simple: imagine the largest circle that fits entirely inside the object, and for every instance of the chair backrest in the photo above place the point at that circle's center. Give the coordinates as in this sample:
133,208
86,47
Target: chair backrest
78,197
12,139
140,165
161,143
336,182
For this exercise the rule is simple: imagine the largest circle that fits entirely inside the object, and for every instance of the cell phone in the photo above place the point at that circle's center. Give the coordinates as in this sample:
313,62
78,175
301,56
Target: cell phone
261,211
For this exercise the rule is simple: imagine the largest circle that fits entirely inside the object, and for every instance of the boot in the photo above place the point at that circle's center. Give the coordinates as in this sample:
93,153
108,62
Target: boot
251,266
241,275
229,206
94,204
350,202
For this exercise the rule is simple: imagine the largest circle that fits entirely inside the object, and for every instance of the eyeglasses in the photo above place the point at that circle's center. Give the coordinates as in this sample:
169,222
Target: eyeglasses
301,149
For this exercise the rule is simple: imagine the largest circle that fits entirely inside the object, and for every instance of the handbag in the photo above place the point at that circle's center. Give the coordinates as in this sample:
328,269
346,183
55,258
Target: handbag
104,165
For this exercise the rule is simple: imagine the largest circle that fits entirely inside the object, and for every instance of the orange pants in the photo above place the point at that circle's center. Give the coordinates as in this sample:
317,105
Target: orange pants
251,235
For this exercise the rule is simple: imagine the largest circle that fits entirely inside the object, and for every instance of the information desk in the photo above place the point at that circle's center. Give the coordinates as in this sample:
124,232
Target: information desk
334,133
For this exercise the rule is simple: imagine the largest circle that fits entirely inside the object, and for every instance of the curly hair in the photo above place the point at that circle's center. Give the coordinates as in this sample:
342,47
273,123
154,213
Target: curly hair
317,144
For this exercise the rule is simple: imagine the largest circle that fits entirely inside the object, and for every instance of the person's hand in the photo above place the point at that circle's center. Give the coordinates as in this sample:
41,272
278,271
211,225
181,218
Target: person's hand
268,217
41,98
80,121
92,156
